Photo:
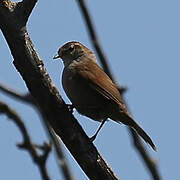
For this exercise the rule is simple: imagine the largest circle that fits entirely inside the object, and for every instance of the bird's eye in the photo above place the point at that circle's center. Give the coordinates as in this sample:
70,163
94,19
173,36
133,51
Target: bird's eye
71,48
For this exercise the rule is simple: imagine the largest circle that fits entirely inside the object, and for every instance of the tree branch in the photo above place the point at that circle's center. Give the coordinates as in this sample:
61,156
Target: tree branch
149,162
27,98
27,7
40,160
61,158
31,68
93,36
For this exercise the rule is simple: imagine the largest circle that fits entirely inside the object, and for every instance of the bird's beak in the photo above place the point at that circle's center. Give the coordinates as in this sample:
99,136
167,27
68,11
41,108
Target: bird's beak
56,56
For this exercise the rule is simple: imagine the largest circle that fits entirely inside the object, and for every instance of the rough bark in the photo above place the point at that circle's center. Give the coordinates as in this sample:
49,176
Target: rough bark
13,19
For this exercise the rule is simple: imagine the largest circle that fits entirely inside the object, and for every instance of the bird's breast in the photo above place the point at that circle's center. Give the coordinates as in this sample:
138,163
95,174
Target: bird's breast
86,100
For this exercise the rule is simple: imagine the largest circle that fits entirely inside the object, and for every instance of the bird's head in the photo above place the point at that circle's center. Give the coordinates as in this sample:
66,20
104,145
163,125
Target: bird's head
72,51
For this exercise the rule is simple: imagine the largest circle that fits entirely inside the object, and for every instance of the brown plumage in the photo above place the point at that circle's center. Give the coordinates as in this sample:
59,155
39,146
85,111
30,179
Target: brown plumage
90,89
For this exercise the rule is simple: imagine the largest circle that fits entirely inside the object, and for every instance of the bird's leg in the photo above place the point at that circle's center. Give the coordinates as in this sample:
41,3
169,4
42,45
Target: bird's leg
101,125
70,107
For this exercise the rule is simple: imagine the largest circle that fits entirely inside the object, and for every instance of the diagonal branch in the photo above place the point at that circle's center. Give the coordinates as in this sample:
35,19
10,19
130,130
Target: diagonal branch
40,160
27,98
56,112
137,142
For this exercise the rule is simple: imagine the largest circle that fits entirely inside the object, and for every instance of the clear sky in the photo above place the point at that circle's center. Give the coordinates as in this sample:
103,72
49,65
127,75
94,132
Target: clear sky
142,42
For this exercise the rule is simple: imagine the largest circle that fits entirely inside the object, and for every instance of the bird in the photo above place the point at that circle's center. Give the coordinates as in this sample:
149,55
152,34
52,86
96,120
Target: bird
91,91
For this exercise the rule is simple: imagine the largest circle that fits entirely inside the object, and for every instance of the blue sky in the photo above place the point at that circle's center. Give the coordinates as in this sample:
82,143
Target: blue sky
142,41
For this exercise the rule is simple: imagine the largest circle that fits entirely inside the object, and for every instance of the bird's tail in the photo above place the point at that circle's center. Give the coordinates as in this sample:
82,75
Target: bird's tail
143,134
127,120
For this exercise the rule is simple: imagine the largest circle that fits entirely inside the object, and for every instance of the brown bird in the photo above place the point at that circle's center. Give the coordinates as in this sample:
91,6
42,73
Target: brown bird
91,91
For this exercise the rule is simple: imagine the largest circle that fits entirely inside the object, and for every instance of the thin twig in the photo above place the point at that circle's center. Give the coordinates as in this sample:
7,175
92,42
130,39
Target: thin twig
27,144
61,160
150,163
27,98
93,36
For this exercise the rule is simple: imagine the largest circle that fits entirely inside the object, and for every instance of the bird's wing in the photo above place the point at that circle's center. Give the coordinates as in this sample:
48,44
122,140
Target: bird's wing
99,81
